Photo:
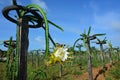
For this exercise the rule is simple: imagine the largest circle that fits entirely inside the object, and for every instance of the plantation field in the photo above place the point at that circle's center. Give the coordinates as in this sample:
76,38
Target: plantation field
27,54
74,70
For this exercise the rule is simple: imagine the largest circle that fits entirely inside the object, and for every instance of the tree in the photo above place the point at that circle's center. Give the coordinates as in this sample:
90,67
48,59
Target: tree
110,53
79,46
11,59
86,40
117,53
101,42
95,52
30,16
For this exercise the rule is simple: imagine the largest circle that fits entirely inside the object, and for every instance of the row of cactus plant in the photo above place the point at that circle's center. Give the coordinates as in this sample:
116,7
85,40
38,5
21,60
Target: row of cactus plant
11,66
86,37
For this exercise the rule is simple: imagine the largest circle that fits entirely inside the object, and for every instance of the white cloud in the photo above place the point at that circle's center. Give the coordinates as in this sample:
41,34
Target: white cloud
37,42
108,20
41,3
110,24
40,39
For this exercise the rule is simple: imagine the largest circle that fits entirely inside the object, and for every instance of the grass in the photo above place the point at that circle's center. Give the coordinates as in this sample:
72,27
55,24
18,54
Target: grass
2,71
73,68
114,72
96,63
70,69
108,78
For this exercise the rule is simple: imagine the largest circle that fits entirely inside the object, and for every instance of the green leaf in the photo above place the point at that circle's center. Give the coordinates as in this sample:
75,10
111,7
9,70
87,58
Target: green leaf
76,42
99,34
98,40
92,54
89,31
55,25
45,21
50,37
31,17
84,41
104,39
85,32
83,35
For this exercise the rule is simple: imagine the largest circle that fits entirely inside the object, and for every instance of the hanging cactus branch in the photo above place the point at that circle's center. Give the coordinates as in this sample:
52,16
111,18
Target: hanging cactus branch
12,44
25,16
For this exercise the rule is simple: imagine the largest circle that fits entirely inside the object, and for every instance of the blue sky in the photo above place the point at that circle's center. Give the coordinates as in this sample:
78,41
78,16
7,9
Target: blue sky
73,16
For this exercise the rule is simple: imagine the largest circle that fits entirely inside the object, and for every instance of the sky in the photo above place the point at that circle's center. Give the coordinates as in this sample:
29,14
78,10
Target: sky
74,16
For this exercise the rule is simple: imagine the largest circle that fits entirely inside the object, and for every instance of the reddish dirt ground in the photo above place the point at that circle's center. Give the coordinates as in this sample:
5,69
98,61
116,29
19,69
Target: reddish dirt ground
95,72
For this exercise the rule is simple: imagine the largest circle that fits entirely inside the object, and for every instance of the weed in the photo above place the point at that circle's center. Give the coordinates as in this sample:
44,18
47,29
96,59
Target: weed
116,73
108,78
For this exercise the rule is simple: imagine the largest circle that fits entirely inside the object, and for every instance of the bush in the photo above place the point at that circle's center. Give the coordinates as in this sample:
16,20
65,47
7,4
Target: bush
116,71
108,78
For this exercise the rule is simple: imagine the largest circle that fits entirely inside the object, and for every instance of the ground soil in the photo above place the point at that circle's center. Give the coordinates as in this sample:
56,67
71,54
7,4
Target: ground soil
95,72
